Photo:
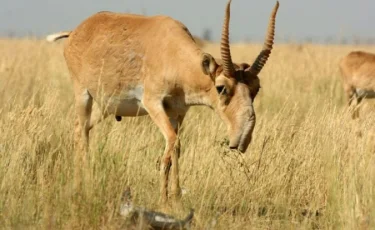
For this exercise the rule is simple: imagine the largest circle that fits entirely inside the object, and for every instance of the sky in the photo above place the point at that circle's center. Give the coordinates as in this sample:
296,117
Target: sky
296,19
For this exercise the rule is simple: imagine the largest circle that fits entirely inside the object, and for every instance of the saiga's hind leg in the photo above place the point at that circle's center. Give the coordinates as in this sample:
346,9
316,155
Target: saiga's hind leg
83,109
97,116
353,100
357,100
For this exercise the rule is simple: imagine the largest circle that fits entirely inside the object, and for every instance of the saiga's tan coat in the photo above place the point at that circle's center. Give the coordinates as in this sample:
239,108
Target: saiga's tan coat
134,65
358,76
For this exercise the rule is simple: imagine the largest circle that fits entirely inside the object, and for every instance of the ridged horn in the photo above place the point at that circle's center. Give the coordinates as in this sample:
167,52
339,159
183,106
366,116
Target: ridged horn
225,48
262,58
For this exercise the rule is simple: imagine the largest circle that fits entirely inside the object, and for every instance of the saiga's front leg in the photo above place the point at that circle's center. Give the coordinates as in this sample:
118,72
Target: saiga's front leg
170,158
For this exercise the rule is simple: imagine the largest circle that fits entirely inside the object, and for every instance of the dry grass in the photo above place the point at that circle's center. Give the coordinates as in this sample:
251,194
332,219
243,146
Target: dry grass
307,167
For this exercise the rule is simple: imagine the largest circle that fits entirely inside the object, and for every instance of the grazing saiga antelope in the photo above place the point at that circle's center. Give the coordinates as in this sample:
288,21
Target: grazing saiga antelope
358,75
134,65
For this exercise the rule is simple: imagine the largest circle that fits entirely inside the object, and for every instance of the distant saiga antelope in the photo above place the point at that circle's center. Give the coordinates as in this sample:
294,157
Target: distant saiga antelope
358,76
134,65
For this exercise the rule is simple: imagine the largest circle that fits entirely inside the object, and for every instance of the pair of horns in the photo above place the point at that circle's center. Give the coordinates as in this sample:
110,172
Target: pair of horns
262,58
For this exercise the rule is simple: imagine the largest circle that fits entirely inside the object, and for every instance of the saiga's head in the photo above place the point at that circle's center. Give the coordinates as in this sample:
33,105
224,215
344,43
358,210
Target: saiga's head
237,85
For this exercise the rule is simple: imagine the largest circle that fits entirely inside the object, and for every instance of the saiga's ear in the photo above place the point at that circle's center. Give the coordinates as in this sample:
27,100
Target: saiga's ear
209,65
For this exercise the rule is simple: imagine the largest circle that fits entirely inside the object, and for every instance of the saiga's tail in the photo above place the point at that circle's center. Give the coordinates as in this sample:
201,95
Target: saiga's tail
57,36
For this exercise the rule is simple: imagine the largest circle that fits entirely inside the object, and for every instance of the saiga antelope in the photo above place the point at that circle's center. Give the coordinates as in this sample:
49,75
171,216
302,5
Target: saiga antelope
134,65
358,75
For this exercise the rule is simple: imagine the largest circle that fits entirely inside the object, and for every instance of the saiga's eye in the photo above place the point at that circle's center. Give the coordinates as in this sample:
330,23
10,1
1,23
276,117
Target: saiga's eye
221,90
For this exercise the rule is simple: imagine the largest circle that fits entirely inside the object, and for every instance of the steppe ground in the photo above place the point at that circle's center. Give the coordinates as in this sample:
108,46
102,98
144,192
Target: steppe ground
309,165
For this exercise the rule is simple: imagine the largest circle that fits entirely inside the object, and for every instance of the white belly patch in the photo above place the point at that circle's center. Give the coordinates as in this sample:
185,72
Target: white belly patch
136,93
365,93
127,103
